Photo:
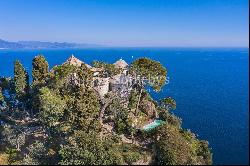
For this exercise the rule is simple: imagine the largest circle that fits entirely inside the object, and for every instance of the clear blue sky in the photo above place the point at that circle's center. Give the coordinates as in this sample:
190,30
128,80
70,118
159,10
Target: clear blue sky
128,22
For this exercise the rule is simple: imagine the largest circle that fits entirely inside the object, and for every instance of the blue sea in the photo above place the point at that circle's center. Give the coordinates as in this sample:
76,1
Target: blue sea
210,86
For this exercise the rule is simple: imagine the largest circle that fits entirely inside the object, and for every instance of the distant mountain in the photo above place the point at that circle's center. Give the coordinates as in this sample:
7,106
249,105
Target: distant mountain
40,45
9,45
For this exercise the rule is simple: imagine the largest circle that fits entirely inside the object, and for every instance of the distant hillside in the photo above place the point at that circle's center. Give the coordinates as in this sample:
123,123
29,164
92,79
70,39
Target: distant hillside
39,45
9,45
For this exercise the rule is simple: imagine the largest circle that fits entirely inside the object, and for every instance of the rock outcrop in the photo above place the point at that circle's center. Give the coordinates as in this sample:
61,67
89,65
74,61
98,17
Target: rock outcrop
147,107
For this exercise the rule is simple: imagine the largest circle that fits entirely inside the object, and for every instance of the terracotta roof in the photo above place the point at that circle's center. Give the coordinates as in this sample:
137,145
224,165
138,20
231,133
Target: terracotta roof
74,61
121,64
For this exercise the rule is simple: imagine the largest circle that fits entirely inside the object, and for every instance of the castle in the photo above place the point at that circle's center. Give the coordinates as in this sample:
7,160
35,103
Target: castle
120,83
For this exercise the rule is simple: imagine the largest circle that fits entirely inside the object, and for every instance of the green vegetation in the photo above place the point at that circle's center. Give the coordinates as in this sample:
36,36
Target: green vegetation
133,99
40,70
1,95
61,119
21,80
108,69
175,146
168,103
147,72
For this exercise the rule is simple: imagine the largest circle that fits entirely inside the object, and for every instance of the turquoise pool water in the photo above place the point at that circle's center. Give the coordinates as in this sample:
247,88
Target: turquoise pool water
152,125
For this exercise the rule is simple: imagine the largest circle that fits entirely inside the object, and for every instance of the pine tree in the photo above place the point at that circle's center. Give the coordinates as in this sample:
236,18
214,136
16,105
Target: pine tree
40,70
21,80
84,109
148,73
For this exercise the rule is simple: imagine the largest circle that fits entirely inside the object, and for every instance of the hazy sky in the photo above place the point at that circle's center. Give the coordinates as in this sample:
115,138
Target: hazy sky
128,22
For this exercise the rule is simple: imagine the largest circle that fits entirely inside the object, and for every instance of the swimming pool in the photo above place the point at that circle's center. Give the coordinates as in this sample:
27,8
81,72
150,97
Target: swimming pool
152,125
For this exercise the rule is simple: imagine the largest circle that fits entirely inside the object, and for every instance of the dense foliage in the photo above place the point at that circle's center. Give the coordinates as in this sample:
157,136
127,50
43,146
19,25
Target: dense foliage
1,95
40,70
176,146
21,79
108,69
149,71
62,119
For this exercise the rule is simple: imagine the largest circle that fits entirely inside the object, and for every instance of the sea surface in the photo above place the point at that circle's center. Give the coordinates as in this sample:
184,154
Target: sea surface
210,86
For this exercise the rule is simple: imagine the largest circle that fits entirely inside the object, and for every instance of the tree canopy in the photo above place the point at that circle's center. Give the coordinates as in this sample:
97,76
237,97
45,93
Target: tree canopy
150,72
1,95
168,103
147,72
180,147
21,80
108,69
40,69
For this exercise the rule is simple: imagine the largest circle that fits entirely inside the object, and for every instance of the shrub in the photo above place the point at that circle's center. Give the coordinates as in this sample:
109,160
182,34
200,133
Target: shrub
132,157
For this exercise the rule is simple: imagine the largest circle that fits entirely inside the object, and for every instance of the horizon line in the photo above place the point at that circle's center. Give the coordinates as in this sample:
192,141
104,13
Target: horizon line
106,45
